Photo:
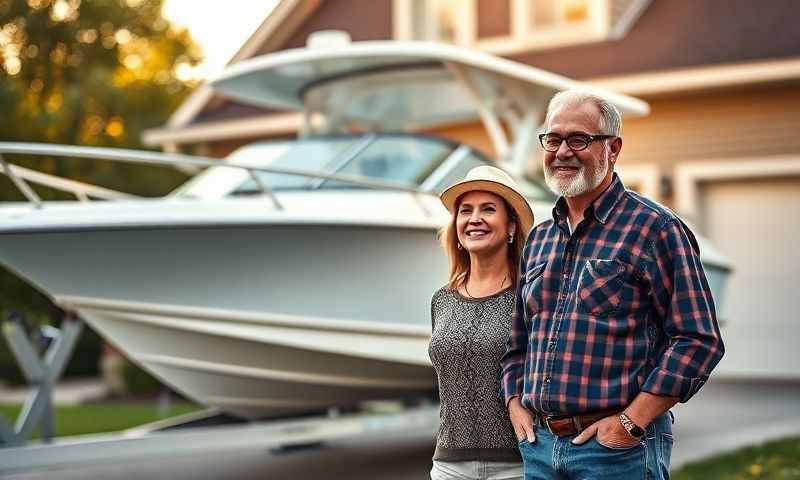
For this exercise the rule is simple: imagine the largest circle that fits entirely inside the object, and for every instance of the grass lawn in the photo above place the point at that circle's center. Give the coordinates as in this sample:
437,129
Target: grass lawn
777,460
110,417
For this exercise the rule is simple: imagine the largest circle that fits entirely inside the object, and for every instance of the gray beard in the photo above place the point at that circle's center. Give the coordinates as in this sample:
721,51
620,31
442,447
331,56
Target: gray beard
582,183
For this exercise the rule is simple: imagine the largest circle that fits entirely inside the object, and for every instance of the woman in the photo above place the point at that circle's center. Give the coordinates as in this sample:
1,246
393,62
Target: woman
471,319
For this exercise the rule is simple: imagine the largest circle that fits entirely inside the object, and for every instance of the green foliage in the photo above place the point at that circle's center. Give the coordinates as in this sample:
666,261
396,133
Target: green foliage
99,418
96,72
86,357
776,460
137,381
91,72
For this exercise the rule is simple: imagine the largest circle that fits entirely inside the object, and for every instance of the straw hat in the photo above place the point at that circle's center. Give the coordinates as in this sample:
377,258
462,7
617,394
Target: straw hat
493,180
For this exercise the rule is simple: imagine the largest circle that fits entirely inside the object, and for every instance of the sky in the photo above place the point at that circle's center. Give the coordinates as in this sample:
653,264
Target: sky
219,27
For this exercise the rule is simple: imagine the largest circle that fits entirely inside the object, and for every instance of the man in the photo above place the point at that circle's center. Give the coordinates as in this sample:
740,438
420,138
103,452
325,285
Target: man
614,321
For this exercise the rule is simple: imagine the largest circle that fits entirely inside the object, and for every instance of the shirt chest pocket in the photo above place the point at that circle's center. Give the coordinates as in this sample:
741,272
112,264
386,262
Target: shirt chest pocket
532,290
604,288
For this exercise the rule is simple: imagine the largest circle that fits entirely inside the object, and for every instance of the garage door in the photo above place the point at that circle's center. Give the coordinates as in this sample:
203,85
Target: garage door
757,225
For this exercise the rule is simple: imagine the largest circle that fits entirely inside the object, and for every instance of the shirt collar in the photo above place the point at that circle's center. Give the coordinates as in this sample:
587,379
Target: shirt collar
601,207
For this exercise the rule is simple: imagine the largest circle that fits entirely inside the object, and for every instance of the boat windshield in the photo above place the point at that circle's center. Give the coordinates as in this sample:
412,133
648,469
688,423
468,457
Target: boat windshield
416,161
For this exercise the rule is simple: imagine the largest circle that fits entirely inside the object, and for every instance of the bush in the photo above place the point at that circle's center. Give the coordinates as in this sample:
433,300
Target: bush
139,382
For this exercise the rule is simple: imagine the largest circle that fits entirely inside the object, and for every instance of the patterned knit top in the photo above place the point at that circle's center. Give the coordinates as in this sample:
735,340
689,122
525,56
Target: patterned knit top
469,337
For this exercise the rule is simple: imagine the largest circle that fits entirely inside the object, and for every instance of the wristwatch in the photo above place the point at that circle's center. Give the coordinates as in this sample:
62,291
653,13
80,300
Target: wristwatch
633,429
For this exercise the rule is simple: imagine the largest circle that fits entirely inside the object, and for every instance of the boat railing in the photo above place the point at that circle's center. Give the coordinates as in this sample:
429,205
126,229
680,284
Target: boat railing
22,177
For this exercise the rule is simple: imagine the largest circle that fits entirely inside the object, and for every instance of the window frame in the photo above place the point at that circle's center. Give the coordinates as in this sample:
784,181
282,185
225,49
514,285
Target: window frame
522,38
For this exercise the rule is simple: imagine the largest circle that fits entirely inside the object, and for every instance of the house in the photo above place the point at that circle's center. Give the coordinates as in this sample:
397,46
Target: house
720,147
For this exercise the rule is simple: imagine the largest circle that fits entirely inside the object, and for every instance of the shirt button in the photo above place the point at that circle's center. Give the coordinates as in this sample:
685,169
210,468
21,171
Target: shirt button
552,344
547,379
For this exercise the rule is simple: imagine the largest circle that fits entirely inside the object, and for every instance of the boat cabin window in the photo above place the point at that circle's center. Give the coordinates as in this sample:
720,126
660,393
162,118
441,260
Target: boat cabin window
406,159
218,182
402,159
398,158
309,155
387,100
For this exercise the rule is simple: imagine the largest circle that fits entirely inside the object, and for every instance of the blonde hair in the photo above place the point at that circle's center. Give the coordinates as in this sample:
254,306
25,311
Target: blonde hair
458,259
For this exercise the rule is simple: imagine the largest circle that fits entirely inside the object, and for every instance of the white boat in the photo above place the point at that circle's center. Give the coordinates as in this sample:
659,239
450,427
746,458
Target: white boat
295,275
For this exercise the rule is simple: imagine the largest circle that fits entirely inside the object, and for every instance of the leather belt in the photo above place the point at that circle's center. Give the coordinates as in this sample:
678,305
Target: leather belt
563,426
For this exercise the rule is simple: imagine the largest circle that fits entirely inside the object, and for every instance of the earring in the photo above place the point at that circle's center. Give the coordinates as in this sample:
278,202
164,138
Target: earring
458,245
510,238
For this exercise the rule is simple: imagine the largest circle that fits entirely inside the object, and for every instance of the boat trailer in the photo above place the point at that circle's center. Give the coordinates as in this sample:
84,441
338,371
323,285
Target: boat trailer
210,431
197,432
41,372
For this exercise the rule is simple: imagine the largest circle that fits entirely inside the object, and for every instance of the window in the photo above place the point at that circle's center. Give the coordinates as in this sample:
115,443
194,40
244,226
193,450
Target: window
555,13
445,23
436,20
503,26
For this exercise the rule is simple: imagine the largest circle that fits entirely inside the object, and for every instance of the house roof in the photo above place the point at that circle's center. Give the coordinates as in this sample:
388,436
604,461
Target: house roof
680,35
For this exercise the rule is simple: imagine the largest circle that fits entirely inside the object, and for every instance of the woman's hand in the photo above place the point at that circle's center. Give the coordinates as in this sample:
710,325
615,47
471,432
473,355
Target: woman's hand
522,420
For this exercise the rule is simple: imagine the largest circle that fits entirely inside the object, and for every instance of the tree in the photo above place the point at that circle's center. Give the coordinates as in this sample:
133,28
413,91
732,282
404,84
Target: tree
96,72
91,72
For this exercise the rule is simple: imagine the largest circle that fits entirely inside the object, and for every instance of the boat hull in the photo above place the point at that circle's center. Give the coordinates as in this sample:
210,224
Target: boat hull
259,320
256,365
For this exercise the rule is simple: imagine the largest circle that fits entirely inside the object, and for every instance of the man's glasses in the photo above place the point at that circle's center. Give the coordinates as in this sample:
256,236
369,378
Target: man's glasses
576,142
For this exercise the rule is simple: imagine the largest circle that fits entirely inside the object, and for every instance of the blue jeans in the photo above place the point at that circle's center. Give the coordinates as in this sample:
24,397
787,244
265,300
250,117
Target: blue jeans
551,457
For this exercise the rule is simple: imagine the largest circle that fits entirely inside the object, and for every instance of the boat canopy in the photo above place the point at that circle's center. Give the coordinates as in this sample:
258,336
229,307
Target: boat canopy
391,86
280,80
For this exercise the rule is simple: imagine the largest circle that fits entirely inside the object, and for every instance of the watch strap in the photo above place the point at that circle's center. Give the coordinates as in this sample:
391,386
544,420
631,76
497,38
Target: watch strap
633,429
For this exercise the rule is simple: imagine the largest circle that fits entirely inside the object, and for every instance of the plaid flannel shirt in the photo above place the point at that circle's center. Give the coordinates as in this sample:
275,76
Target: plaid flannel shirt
620,306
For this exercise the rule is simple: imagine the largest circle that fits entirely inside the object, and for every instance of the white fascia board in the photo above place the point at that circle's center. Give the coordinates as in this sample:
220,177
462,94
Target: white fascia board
622,26
702,78
264,125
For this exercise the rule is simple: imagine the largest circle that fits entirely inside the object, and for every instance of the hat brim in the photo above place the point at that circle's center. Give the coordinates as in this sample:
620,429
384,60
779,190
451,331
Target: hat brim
521,206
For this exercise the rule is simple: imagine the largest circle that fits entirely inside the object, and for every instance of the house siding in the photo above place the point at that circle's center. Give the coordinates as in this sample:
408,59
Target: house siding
226,109
472,134
493,18
744,124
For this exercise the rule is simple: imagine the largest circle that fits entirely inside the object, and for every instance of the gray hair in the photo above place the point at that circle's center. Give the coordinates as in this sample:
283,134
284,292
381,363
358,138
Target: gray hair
610,119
